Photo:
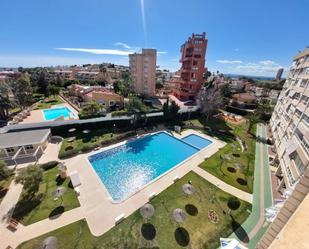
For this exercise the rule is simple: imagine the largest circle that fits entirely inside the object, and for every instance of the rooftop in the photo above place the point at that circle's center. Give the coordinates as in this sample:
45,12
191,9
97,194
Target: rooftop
301,54
21,138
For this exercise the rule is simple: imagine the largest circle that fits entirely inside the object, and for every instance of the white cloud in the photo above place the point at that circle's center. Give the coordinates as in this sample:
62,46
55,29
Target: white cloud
44,60
229,61
122,44
99,51
268,63
106,51
262,67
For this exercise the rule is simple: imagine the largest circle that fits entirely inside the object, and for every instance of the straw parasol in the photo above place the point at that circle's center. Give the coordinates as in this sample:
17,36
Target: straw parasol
59,192
72,129
49,243
179,215
71,139
188,189
147,211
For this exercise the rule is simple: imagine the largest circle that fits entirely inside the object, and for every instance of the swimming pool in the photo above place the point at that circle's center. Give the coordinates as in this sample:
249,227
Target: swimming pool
127,168
57,112
197,141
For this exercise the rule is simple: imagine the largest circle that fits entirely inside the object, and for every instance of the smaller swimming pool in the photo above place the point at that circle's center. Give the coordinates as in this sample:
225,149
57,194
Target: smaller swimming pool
57,112
197,141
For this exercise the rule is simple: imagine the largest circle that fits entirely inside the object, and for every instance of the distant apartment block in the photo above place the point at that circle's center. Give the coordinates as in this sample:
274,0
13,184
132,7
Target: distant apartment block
188,82
290,128
143,71
279,74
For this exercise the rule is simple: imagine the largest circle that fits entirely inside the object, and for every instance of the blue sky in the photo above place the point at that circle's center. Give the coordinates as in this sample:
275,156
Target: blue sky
244,36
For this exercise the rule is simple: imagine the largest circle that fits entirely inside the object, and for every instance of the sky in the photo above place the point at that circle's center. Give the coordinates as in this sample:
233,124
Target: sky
250,37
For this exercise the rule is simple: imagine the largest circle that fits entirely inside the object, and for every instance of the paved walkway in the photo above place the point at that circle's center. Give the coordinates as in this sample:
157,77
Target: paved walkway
223,186
9,202
254,227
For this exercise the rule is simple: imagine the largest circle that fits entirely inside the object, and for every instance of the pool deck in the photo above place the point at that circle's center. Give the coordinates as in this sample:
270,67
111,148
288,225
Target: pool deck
95,204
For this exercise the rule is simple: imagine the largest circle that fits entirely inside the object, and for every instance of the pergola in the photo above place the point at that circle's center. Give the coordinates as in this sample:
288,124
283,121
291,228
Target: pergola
19,141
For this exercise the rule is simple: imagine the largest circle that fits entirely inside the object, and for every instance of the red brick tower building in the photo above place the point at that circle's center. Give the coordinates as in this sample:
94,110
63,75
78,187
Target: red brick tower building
190,77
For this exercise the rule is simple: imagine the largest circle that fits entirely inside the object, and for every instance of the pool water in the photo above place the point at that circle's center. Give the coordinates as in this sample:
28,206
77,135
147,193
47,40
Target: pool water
54,113
197,141
127,168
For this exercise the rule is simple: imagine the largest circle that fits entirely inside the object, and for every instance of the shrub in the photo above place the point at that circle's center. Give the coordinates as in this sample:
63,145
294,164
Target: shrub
49,165
67,154
68,148
120,113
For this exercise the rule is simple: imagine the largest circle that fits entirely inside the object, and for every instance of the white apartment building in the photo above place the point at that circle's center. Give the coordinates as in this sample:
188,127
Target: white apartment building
290,122
143,71
290,128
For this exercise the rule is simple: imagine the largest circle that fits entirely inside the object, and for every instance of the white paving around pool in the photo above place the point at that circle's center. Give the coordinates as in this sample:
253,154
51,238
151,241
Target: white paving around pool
100,212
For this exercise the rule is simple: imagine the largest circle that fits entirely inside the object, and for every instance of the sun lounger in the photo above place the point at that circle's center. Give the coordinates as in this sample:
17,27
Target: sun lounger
77,191
176,178
152,195
13,224
119,218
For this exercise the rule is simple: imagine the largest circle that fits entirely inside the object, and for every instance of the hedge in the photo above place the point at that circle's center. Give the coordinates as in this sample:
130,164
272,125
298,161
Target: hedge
49,165
89,147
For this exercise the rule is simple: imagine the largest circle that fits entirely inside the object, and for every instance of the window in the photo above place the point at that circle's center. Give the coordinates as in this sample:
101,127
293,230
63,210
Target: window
10,149
306,119
298,162
298,113
29,147
303,83
111,103
304,99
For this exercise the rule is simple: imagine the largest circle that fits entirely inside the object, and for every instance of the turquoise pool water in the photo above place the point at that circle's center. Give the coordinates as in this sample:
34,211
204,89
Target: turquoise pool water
54,113
127,168
197,141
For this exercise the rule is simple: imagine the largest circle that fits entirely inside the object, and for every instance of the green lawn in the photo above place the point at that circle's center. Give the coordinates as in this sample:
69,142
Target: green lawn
230,164
86,142
48,102
4,187
43,205
196,232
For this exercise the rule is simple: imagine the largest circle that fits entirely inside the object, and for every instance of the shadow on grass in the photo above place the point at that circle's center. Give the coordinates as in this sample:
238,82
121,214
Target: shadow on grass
25,206
191,209
3,192
148,231
55,213
59,180
182,236
239,231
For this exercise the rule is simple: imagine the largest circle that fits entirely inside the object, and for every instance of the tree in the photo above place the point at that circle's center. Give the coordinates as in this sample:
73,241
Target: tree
136,105
42,83
5,103
30,178
59,81
4,171
170,111
23,91
252,119
92,109
264,109
53,90
210,100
